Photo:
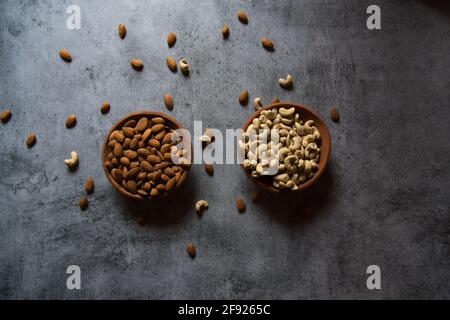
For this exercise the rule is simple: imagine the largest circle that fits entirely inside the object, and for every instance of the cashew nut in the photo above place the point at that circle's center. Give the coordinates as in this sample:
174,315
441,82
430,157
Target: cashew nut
286,83
287,113
184,66
73,161
201,205
257,103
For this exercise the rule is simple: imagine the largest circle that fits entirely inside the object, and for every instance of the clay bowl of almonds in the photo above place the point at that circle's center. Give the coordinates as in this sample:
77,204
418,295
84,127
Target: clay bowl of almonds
144,157
285,147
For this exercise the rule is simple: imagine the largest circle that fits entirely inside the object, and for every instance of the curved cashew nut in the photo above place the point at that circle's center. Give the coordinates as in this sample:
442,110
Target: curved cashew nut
291,185
286,83
282,153
290,163
287,121
73,161
296,144
271,114
201,205
284,177
184,66
300,153
286,113
257,103
307,139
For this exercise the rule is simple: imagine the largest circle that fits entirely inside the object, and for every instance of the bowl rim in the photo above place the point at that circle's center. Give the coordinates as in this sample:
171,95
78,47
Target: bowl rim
122,121
324,133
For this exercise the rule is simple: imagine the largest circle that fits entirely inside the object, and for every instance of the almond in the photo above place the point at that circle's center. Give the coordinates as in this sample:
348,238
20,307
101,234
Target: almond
125,161
171,39
142,124
167,138
334,114
145,166
131,185
130,123
130,154
71,121
133,173
191,250
153,159
104,107
137,64
142,152
154,143
157,128
84,202
5,115
31,139
171,184
158,120
89,185
118,150
117,175
209,168
168,101
65,55
267,44
122,30
128,132
225,31
172,64
146,134
160,135
243,97
242,16
240,204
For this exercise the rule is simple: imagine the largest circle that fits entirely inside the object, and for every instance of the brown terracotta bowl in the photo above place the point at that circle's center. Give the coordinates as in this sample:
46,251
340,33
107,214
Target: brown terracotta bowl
265,182
171,122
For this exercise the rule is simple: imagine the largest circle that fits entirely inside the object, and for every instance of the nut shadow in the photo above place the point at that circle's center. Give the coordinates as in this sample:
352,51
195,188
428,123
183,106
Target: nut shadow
296,209
164,212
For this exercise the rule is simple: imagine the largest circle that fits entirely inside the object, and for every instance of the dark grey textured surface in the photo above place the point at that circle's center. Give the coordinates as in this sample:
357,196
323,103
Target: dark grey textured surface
384,200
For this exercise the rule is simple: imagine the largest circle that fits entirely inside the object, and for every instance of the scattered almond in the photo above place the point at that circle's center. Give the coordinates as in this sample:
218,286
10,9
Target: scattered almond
191,250
137,64
122,30
243,97
71,121
5,115
31,139
242,16
89,185
65,55
104,107
267,44
240,204
209,168
171,39
334,114
168,101
84,202
225,31
172,64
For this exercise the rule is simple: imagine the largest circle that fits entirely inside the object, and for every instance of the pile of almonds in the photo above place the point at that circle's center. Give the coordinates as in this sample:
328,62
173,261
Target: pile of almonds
140,157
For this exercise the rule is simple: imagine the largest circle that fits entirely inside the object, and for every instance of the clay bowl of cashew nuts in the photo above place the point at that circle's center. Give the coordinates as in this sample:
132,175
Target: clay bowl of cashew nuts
143,169
303,149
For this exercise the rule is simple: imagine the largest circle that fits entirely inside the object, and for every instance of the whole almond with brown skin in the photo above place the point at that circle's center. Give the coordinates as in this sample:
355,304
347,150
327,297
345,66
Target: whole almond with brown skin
154,143
130,123
130,154
5,115
167,138
157,128
168,101
240,204
209,168
133,173
122,30
104,107
146,134
65,55
137,64
153,159
267,44
84,202
171,39
158,120
160,135
334,114
125,161
71,121
243,97
131,184
172,64
190,248
118,150
31,139
142,124
117,174
225,31
171,184
128,132
242,16
89,185
143,152
145,166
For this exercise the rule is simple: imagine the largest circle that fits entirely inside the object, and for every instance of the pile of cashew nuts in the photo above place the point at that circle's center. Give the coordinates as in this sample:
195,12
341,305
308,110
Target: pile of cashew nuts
280,144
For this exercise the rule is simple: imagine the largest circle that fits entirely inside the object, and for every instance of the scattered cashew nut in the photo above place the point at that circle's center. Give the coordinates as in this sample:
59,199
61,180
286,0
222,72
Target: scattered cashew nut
201,205
257,103
73,161
286,83
184,66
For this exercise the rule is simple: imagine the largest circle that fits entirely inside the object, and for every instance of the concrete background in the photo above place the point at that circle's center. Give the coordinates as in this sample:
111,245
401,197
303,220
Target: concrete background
384,200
